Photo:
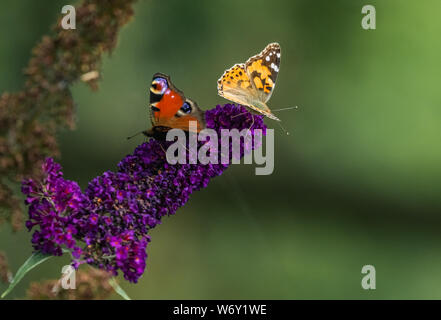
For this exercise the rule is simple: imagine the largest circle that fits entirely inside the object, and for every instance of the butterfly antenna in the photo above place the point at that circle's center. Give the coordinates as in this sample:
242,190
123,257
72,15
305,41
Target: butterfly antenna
289,108
284,130
138,133
278,122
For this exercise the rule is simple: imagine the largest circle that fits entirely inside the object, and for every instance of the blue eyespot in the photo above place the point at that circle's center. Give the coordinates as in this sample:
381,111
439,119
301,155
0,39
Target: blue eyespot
186,108
159,85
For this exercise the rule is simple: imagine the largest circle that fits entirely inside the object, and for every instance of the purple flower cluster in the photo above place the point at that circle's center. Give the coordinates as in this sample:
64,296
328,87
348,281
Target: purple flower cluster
55,205
107,225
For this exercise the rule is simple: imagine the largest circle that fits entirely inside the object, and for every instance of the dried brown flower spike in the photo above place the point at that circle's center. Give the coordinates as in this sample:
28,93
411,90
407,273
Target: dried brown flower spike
29,119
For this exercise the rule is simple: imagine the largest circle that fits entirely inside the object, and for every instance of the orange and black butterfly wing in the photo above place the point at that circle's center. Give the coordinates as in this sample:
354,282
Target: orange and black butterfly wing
263,69
170,109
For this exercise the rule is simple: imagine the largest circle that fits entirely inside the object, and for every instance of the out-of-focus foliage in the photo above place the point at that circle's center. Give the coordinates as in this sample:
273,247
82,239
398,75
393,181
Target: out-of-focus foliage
356,182
4,268
90,284
29,119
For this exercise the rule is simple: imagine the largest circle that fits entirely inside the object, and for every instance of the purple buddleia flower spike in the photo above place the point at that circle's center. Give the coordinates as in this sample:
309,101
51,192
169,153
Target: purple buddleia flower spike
107,225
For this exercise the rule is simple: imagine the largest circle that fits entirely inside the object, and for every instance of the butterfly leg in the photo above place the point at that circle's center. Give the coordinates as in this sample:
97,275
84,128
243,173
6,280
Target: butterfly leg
240,114
252,123
160,144
252,117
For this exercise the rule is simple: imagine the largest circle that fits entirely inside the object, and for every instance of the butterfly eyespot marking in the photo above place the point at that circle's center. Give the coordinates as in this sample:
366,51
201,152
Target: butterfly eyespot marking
186,108
159,85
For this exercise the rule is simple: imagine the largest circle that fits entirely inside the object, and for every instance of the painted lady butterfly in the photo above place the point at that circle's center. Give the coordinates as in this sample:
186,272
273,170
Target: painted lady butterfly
252,83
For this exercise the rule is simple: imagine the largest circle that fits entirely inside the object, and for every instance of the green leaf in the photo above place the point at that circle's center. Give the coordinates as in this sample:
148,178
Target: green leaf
37,258
118,289
33,261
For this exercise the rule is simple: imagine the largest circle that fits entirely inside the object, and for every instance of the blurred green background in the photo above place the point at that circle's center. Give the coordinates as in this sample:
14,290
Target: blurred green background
358,180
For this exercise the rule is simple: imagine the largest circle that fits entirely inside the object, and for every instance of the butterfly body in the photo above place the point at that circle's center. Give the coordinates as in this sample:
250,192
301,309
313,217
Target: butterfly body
252,83
170,109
